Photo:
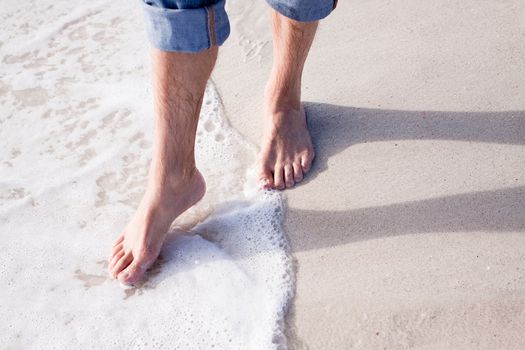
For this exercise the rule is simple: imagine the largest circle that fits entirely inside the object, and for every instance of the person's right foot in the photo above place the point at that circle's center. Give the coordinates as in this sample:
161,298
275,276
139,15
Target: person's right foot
287,150
139,244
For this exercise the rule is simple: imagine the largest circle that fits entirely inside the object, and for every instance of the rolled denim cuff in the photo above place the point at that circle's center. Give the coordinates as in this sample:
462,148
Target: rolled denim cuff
303,10
186,30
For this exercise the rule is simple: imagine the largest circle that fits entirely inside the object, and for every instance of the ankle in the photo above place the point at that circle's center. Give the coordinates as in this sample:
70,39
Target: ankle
282,96
176,178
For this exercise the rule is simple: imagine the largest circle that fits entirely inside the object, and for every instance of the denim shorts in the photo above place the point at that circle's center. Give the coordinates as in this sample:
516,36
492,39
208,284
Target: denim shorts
196,25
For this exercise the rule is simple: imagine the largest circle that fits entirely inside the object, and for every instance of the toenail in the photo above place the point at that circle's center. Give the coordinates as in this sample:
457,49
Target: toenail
126,285
263,183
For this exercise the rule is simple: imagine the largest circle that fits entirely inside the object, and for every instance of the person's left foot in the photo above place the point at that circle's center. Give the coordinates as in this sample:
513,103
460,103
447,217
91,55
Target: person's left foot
165,199
287,151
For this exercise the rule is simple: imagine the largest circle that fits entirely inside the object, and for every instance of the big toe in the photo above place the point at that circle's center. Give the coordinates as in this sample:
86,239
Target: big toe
132,274
278,177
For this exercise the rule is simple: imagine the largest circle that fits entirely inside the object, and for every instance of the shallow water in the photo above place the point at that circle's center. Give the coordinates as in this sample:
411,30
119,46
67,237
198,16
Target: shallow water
75,139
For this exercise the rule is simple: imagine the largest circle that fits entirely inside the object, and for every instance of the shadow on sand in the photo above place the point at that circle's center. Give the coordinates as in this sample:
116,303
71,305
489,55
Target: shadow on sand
335,128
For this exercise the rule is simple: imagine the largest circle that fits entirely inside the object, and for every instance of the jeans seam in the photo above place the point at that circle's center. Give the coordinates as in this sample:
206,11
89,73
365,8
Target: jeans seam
211,25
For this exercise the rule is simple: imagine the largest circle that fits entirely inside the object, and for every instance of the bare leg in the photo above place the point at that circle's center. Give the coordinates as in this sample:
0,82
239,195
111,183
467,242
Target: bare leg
174,183
287,152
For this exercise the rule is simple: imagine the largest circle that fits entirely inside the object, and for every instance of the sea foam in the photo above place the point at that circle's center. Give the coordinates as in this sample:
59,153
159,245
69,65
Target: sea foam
75,130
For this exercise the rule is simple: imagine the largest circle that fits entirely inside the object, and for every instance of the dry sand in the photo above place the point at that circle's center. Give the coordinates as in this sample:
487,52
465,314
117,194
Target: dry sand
410,230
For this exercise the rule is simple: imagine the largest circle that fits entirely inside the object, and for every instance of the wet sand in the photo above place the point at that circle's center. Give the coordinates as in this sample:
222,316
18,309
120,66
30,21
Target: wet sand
76,135
410,230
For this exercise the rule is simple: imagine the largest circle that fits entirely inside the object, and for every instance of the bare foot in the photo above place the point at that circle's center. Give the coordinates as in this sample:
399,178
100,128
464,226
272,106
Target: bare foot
287,151
139,244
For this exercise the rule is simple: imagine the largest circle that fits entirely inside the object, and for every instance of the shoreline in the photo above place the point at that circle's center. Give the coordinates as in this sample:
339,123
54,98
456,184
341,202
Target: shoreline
416,236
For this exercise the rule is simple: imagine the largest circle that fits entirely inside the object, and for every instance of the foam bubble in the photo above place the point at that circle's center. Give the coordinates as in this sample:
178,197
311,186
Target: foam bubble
76,128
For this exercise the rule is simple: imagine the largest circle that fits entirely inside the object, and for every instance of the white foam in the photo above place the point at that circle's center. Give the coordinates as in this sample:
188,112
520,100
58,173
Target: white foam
76,128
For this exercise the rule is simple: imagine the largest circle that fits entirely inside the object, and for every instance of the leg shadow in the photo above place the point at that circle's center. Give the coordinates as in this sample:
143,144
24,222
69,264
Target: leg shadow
492,211
335,128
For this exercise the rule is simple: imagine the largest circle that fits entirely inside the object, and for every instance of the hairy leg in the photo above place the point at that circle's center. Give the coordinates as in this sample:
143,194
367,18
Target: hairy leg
287,152
174,183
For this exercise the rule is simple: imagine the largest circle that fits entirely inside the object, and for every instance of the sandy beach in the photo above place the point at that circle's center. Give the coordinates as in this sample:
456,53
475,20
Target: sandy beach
410,231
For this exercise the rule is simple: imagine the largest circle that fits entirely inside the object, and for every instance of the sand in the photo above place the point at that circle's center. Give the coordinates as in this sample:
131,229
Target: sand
410,230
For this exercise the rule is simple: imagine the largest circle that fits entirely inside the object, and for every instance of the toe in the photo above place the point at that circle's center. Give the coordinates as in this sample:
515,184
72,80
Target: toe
266,178
119,240
121,264
116,249
297,172
132,274
278,178
306,162
115,258
288,176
